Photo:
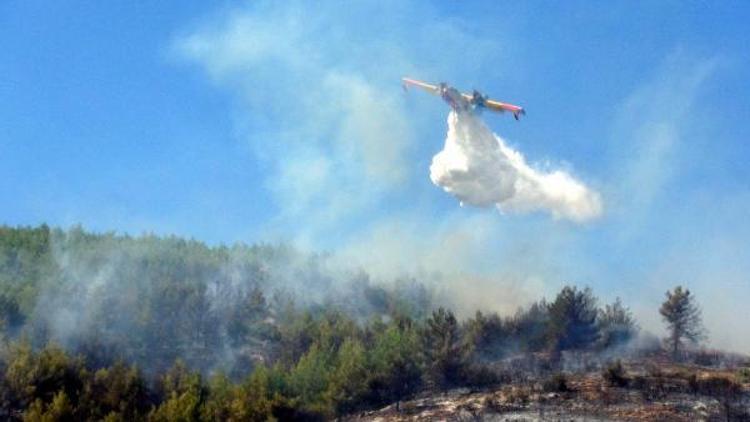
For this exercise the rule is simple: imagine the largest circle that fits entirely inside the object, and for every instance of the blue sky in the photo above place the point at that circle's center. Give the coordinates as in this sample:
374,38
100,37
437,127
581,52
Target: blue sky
260,121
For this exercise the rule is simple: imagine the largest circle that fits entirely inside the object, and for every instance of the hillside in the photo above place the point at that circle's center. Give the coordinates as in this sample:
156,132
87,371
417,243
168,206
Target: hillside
162,328
650,390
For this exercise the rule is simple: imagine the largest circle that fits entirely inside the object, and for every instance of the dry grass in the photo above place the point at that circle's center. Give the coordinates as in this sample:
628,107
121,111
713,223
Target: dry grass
655,390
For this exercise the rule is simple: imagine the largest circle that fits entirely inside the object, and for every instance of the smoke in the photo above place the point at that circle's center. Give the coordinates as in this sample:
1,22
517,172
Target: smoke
337,148
478,168
150,300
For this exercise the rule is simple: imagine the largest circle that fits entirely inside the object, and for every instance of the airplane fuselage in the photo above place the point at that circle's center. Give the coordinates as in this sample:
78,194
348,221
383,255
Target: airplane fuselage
454,98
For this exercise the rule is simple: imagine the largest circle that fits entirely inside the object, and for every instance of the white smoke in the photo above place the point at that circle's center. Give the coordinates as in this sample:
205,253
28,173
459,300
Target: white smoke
478,168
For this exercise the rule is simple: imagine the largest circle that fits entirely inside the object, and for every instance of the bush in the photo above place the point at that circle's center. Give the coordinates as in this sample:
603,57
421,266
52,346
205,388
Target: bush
558,383
705,357
615,374
727,391
481,376
743,375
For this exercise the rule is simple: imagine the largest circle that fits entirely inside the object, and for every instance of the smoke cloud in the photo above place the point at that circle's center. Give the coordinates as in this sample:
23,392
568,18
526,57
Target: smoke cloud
480,169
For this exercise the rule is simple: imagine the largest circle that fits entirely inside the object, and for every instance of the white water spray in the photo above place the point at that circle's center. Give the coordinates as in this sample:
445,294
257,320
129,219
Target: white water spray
478,168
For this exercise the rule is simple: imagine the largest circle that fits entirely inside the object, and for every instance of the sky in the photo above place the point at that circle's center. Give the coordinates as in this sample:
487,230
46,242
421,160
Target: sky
285,121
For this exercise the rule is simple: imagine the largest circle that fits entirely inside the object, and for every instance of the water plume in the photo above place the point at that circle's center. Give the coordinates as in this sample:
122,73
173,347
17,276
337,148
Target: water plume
480,169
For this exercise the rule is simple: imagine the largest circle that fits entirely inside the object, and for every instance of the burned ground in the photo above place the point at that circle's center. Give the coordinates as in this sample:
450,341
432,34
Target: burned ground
653,388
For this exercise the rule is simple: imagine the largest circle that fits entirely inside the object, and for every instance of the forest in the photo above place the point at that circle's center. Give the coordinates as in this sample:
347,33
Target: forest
105,326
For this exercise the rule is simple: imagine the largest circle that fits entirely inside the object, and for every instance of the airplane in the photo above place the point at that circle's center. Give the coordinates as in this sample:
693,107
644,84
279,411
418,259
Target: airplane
464,102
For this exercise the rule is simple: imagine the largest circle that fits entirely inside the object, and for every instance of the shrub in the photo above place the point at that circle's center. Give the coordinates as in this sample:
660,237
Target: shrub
615,374
481,376
727,391
743,375
557,383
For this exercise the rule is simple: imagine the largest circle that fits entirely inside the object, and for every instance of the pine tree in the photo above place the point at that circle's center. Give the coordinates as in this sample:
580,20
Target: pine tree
59,410
444,350
487,336
11,318
183,393
683,318
256,400
308,380
572,323
349,378
616,325
395,360
529,326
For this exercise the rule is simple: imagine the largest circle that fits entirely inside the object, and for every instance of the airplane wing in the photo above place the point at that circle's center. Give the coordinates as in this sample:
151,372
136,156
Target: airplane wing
419,84
453,97
498,106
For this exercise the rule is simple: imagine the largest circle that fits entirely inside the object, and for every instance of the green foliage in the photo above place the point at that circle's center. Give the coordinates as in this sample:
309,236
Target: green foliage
396,371
178,408
348,382
683,318
257,397
117,391
25,262
488,337
248,322
33,376
309,379
178,309
616,325
59,410
221,394
297,332
183,395
572,319
743,375
11,318
530,327
444,350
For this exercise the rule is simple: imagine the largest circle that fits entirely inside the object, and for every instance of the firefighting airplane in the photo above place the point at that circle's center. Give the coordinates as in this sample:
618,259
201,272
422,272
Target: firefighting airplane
463,102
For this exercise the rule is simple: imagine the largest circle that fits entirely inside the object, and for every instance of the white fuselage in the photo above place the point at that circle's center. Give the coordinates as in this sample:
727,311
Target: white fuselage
454,98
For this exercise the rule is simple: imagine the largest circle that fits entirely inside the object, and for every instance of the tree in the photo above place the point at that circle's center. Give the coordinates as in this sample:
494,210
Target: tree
30,376
616,325
488,336
183,394
443,349
118,389
349,378
572,319
395,361
247,323
11,318
256,399
309,378
59,410
529,326
218,404
683,318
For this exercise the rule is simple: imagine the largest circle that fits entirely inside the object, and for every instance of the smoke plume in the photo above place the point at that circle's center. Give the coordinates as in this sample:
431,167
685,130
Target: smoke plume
478,168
